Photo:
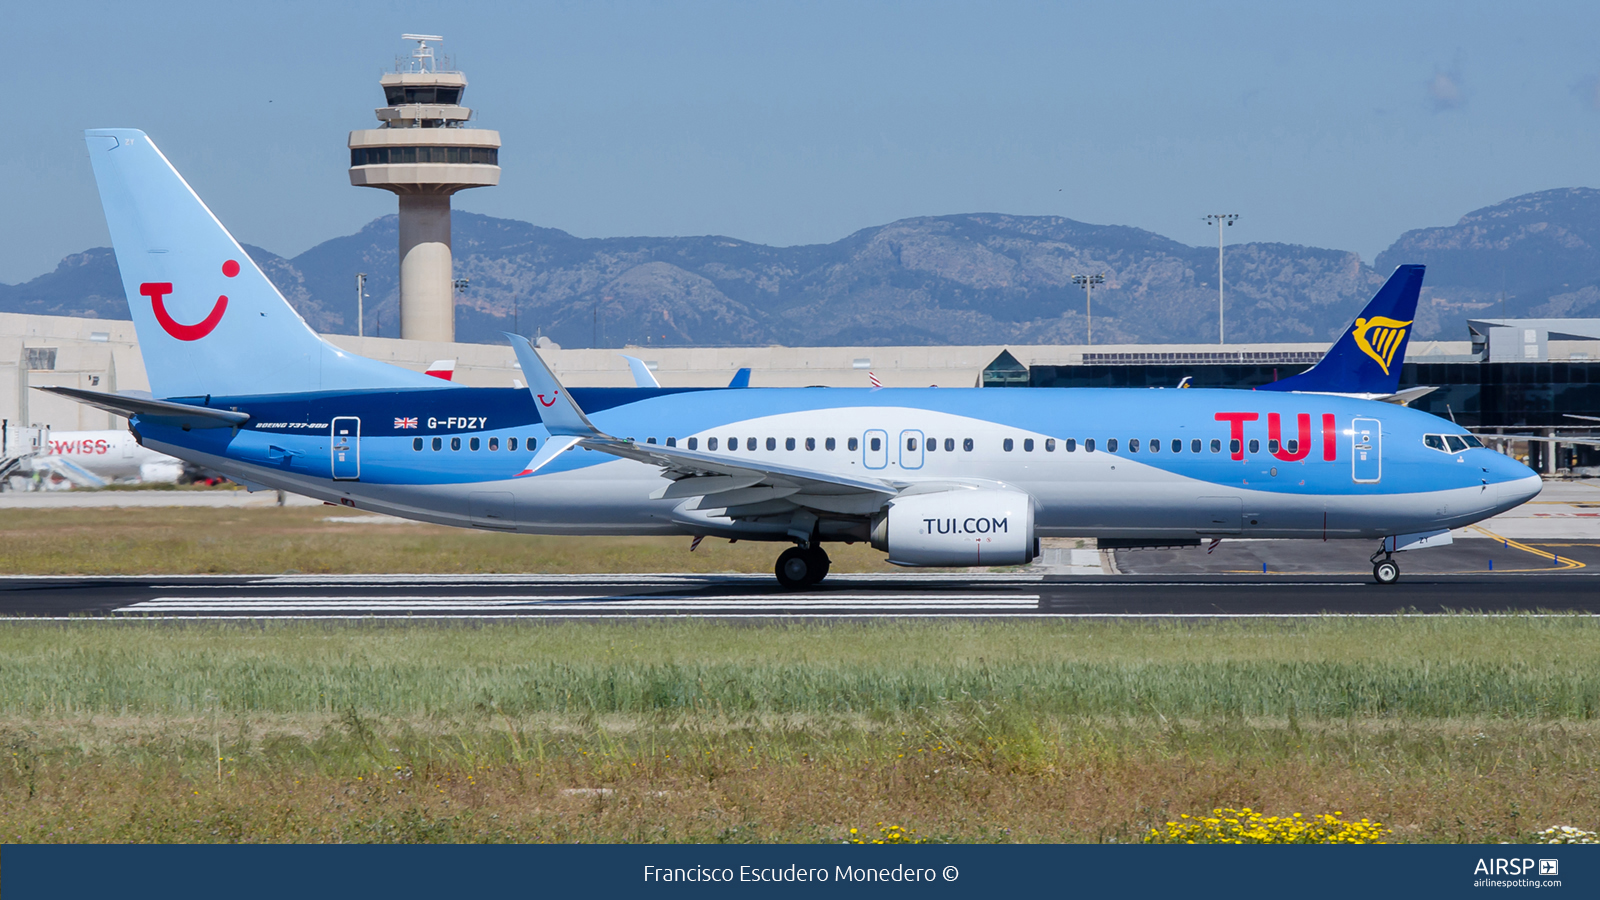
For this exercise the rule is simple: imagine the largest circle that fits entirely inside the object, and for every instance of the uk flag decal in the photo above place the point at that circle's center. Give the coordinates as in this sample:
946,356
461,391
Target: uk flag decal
400,422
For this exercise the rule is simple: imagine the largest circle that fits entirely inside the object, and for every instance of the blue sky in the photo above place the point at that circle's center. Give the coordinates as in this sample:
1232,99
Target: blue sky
1338,125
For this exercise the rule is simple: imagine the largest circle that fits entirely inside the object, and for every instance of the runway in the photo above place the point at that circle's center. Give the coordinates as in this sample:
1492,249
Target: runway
842,597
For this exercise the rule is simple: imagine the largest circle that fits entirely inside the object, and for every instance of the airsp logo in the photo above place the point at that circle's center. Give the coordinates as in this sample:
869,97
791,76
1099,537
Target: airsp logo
1502,866
1549,867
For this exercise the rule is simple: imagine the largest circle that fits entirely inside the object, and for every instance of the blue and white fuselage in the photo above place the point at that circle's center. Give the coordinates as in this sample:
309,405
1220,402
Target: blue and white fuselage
935,477
1164,489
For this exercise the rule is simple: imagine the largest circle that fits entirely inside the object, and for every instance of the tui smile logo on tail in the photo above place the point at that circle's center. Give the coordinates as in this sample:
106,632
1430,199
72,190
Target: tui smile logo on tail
156,291
1379,337
551,402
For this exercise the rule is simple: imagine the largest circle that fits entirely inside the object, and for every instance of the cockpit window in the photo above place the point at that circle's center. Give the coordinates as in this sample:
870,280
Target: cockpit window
1436,441
1472,441
1456,443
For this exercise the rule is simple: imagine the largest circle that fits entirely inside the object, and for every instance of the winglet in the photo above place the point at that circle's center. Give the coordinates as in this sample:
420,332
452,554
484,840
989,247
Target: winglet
741,379
557,409
642,376
1367,357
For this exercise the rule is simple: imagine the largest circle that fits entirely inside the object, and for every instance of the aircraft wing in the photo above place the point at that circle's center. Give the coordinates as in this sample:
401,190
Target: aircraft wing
688,466
744,486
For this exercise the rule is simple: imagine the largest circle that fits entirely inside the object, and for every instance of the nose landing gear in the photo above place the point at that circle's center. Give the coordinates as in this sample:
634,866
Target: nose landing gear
800,567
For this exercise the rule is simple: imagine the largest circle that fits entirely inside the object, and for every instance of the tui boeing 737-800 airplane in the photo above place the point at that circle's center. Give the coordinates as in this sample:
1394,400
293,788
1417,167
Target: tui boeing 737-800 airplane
933,477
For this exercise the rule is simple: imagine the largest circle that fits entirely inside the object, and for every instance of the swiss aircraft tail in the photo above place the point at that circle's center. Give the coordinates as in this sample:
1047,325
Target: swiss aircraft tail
1367,357
209,321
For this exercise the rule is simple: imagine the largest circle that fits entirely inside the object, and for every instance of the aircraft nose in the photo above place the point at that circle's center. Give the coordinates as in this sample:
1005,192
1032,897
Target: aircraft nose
1518,483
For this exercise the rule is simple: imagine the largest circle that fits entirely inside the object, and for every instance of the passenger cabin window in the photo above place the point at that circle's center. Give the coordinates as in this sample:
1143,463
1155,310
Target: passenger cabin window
511,444
966,444
949,445
932,444
1272,445
911,443
1133,445
438,443
877,444
1177,446
494,443
1088,445
750,444
829,444
811,443
455,443
772,444
1216,446
1111,445
694,444
672,442
711,443
649,440
1255,446
1070,445
473,444
1233,446
533,444
1194,446
1027,445
852,445
1049,445
1155,446
788,443
1007,445
1292,446
416,444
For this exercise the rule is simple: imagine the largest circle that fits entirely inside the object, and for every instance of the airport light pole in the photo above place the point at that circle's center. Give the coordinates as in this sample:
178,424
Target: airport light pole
361,294
1220,219
1087,282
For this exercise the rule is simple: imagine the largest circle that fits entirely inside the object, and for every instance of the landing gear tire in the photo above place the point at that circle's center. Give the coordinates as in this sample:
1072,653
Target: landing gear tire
795,568
1386,572
821,563
798,568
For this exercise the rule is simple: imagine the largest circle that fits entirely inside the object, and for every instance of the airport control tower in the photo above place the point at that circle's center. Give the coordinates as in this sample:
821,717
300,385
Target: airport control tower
423,151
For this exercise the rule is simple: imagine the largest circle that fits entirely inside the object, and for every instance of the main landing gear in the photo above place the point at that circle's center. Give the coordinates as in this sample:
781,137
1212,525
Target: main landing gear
800,567
1386,570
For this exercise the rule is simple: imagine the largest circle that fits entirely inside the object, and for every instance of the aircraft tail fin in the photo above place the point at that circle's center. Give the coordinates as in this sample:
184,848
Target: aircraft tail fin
208,319
1367,357
741,379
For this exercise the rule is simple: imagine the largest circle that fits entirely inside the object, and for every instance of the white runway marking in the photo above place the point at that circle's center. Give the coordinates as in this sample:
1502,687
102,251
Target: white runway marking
635,605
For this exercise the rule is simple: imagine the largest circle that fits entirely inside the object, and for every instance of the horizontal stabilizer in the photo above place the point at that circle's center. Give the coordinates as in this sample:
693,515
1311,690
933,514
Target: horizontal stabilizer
161,412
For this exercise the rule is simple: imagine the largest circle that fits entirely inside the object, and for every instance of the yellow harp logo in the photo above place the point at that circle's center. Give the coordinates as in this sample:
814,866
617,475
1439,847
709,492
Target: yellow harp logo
1379,337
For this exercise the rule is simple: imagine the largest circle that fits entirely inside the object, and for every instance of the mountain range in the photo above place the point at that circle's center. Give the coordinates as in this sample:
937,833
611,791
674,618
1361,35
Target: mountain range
961,279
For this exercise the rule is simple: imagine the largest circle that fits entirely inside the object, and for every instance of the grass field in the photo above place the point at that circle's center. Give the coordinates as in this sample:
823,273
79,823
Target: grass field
314,540
1444,729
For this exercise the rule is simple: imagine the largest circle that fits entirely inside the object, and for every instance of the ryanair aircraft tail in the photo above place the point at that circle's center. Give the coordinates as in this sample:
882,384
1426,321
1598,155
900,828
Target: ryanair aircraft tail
1367,357
209,321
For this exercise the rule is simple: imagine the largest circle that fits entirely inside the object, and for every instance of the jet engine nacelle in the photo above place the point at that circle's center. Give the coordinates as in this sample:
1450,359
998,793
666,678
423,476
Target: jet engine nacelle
958,528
